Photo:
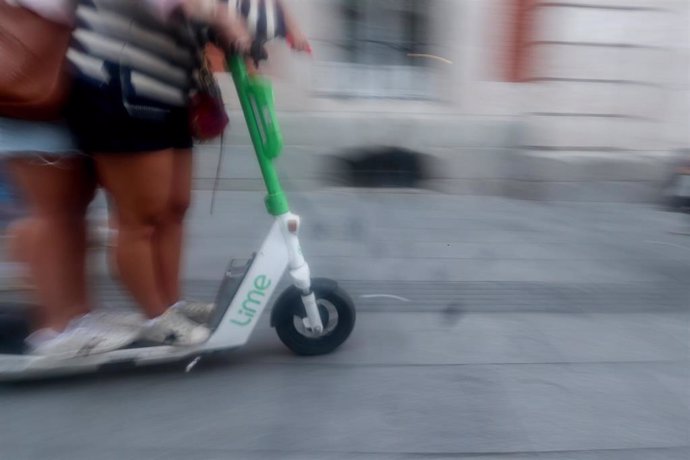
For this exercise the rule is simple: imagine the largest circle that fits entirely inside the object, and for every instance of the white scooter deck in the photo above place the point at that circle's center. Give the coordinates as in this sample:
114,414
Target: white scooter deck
243,295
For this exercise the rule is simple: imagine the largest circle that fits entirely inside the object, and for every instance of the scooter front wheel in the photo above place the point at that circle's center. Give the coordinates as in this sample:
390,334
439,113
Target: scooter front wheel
337,315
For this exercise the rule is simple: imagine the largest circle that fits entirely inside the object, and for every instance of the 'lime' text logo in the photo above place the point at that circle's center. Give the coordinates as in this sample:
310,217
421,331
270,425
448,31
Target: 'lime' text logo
254,299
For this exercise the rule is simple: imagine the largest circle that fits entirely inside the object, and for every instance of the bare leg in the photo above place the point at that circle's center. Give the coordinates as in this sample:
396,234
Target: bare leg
169,238
21,236
57,197
112,246
140,186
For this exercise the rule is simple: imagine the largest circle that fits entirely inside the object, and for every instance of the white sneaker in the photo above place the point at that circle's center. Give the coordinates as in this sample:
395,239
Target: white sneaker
128,319
39,340
173,328
199,312
84,336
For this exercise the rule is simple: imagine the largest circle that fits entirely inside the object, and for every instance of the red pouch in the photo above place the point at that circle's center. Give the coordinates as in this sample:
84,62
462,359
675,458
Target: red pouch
208,119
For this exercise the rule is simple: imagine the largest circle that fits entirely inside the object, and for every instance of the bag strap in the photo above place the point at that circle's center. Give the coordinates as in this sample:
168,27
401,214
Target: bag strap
219,167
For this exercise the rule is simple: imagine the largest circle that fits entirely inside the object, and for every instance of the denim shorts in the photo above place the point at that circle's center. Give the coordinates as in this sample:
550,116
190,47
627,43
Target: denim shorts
22,138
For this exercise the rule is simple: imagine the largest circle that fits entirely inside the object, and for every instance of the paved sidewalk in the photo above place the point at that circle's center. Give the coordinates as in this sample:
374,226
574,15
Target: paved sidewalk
488,328
378,235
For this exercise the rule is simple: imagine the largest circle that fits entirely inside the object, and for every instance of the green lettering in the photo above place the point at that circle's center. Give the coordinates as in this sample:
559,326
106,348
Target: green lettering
254,298
262,283
234,321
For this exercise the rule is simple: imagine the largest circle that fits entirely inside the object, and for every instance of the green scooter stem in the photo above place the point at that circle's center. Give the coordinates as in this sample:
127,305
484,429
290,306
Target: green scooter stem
257,101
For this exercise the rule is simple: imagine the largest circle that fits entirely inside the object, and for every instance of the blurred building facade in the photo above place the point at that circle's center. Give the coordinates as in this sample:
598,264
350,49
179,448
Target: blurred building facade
530,97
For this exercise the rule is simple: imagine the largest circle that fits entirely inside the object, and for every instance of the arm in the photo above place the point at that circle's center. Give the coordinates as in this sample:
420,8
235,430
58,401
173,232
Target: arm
60,11
295,36
223,20
229,28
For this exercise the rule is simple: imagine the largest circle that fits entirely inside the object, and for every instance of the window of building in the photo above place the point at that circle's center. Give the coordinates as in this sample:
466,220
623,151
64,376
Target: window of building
377,50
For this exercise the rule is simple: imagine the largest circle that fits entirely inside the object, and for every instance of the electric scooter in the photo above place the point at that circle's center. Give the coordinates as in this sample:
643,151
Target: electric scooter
311,317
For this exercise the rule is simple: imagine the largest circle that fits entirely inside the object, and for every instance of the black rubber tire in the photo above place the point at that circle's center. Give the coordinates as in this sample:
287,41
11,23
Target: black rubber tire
289,305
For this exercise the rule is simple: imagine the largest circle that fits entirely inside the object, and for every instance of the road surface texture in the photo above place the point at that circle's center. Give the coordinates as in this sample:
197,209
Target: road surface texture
488,329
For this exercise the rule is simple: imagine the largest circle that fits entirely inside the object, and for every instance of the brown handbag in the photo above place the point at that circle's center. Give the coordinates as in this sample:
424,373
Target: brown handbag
33,81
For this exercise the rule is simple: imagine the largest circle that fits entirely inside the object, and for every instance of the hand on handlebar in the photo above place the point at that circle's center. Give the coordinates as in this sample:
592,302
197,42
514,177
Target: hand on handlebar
234,36
299,42
227,27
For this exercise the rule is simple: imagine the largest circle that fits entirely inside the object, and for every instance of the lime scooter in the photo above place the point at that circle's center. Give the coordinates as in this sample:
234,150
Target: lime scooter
311,317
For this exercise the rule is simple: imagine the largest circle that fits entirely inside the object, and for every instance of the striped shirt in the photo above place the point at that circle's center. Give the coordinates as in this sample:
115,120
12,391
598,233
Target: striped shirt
155,56
155,59
264,18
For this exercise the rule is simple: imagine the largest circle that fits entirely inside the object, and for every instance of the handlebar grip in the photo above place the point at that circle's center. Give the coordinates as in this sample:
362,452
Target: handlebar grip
257,53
